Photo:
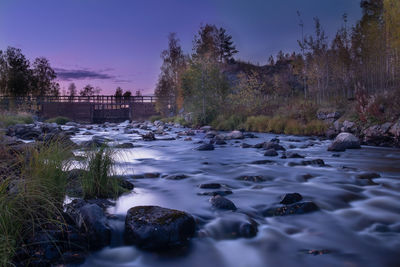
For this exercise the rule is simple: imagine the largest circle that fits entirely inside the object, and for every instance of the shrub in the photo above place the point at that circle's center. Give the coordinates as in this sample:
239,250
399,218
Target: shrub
293,127
155,118
96,180
315,127
277,124
257,123
223,123
59,120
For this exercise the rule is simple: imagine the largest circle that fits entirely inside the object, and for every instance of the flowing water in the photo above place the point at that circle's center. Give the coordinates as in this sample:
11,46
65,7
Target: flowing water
358,223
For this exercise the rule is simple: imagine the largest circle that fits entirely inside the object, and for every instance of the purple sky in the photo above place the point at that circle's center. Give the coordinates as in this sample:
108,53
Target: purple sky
110,43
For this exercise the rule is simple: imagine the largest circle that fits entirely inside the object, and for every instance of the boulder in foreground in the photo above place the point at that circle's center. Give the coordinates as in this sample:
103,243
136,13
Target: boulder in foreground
157,228
344,141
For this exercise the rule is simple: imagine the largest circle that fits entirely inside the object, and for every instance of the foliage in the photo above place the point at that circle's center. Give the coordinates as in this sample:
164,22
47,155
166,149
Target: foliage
97,181
59,120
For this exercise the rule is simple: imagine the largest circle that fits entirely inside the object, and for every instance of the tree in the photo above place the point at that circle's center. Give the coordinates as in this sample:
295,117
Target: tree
205,88
168,90
214,43
43,78
118,92
127,94
15,73
88,90
72,90
226,47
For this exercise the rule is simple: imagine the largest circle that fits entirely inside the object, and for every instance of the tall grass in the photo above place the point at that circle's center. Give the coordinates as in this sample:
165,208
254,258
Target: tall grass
10,118
36,201
96,180
10,225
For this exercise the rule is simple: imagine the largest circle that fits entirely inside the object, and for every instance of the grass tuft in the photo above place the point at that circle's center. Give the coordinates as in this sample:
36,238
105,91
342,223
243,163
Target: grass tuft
59,120
97,181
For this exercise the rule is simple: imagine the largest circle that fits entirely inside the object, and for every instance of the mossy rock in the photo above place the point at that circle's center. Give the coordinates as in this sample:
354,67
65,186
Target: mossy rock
157,228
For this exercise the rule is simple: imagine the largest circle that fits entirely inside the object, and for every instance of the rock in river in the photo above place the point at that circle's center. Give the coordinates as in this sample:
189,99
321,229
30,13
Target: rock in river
271,153
220,202
296,208
148,136
291,198
157,228
344,141
206,147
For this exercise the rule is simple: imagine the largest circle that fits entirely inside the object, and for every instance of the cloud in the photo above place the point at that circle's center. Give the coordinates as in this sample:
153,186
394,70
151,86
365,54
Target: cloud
81,74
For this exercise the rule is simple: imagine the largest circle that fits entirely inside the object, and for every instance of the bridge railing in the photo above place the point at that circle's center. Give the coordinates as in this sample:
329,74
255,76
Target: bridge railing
100,99
34,103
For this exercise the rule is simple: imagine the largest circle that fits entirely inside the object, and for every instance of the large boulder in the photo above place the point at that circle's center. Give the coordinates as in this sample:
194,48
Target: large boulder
155,228
395,129
344,141
378,135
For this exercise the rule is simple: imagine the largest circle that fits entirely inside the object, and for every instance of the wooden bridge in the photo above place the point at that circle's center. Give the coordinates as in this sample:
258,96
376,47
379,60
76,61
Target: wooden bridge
87,109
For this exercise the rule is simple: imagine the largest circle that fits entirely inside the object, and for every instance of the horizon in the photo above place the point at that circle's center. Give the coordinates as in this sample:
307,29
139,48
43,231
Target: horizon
120,46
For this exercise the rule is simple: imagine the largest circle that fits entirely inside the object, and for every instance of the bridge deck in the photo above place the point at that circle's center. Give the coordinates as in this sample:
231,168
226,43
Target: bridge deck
89,109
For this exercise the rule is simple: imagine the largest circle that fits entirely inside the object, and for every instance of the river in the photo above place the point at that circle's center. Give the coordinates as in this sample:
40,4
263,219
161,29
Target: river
358,223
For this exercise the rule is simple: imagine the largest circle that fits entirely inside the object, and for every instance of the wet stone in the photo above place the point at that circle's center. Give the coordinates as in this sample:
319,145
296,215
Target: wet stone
293,209
210,186
263,161
368,175
291,198
157,228
220,142
245,145
205,147
216,193
220,202
176,177
271,153
148,136
293,155
273,145
252,178
314,162
146,175
124,145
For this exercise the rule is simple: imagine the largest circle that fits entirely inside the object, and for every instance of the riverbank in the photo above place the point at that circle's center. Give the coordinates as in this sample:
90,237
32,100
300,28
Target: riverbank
328,124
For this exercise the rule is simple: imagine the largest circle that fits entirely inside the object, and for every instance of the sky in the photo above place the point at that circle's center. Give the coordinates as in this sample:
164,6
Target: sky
111,43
